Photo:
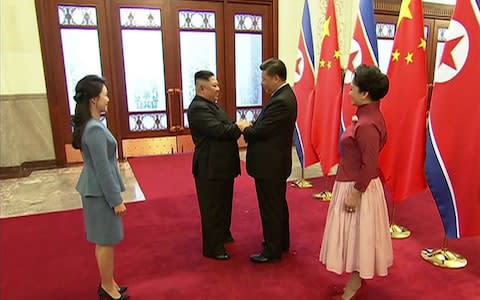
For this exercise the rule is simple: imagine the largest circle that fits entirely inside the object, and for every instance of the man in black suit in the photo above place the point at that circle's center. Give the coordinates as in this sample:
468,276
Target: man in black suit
216,163
269,159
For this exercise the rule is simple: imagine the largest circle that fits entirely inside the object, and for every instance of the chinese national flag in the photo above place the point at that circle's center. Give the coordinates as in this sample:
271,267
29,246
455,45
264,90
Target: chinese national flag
403,159
453,146
328,95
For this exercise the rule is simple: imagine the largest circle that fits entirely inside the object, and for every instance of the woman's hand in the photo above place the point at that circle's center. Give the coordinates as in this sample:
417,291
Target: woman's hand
353,200
120,210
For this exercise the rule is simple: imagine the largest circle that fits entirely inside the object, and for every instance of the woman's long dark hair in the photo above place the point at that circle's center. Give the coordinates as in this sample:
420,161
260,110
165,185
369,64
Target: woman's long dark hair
87,88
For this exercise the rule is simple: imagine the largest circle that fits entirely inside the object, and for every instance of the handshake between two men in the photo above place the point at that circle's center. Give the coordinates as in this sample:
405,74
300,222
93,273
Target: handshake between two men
243,123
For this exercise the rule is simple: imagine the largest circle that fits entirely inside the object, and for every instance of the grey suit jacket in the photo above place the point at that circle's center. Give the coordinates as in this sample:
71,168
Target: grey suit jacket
100,175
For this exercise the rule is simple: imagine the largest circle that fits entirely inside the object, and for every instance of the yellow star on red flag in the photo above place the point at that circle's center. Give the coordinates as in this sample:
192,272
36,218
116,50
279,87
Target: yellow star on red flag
409,58
337,54
395,55
326,27
405,12
423,44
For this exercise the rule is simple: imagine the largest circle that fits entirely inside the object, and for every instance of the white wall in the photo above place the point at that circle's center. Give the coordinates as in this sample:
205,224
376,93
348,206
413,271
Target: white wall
21,69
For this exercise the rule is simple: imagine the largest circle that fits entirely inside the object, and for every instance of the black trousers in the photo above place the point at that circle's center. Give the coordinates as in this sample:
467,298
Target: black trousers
215,202
275,216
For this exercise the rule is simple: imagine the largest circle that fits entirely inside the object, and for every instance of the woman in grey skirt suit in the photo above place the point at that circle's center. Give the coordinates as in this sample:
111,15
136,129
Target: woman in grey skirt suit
100,182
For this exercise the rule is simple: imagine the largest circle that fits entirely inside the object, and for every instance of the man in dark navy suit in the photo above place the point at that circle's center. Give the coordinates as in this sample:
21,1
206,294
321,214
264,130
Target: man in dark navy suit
269,159
216,163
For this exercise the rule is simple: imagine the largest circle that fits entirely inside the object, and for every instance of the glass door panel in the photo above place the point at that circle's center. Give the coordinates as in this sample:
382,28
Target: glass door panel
142,44
198,50
80,45
385,37
248,58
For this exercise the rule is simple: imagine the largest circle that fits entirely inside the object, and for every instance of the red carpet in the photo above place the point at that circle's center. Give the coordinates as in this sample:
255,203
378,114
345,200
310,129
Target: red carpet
47,257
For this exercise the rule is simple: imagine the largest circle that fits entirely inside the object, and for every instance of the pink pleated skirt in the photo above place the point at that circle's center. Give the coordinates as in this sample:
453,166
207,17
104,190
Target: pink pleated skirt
358,241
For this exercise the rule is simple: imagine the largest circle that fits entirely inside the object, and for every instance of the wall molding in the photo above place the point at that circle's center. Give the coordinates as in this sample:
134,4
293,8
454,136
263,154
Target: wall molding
26,168
23,97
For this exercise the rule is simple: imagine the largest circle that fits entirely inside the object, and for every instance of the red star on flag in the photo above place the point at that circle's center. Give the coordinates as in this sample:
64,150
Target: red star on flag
447,52
350,61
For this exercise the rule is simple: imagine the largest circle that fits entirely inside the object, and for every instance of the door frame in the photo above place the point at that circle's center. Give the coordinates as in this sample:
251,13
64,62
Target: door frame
54,70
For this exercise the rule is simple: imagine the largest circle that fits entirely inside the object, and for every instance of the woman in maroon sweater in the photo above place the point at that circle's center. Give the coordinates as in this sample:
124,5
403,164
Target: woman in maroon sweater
356,238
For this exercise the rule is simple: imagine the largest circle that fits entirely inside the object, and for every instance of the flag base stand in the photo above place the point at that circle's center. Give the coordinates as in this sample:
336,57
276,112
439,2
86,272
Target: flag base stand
399,232
323,196
444,258
302,184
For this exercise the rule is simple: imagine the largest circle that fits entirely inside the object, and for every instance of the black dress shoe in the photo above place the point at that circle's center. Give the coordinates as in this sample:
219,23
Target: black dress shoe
284,250
263,259
121,289
104,295
221,256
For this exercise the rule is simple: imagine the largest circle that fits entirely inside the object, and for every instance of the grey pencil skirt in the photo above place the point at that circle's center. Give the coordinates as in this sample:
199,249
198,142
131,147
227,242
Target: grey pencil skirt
103,226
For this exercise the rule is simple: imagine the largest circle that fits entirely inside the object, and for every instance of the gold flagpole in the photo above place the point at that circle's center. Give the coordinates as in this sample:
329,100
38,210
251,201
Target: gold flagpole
398,231
302,183
443,257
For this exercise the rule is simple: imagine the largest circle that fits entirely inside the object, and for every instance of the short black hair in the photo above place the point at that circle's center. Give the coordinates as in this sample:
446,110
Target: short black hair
370,79
203,75
274,67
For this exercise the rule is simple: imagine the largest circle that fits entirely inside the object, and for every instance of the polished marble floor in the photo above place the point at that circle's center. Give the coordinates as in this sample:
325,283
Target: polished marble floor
54,190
